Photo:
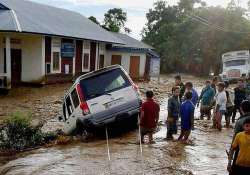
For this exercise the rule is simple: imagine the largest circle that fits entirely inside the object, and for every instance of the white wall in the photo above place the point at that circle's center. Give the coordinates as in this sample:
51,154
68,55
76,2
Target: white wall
125,62
32,59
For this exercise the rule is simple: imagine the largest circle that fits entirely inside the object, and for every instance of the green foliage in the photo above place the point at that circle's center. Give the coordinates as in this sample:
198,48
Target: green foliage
18,133
93,19
115,19
191,37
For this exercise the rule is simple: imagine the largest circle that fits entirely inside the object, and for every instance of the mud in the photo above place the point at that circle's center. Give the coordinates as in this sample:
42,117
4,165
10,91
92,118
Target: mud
205,154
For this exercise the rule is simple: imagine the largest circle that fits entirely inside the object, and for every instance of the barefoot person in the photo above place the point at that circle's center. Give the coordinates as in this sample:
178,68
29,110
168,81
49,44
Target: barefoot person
149,117
187,117
220,106
173,113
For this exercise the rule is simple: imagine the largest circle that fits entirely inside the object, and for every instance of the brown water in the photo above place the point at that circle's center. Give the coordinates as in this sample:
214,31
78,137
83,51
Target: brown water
205,156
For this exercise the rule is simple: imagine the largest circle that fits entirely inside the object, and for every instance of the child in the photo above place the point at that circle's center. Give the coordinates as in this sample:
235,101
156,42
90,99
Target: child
229,106
149,117
189,88
242,141
220,106
173,113
206,97
187,117
239,96
179,83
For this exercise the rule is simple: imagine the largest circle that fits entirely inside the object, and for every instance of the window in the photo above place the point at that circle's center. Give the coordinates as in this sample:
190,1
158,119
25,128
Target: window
86,61
110,81
235,63
86,45
56,61
75,98
69,106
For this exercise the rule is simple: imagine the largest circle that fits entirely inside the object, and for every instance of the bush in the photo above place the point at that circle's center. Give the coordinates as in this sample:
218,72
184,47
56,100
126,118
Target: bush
18,134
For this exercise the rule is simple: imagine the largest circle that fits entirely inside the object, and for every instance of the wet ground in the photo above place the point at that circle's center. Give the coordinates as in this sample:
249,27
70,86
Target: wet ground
206,155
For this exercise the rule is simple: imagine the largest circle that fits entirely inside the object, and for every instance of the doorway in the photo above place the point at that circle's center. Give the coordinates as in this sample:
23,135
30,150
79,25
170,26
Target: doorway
134,69
16,66
116,59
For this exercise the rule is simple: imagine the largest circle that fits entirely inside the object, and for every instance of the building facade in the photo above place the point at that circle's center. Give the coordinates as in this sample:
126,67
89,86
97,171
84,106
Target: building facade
56,46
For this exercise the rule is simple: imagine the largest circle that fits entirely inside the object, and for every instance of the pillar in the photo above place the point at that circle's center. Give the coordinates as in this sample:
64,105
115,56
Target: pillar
8,61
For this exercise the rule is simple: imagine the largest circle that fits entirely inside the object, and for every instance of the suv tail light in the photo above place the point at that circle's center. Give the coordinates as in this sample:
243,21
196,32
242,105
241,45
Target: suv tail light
83,104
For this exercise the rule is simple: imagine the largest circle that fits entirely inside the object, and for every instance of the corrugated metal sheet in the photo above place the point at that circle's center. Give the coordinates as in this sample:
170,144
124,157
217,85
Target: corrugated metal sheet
130,42
37,18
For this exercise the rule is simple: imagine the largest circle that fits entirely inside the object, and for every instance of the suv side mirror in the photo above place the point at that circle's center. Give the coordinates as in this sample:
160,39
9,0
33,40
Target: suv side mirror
60,118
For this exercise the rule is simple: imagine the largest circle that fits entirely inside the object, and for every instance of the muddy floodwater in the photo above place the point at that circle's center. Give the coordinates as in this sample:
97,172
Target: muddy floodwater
205,155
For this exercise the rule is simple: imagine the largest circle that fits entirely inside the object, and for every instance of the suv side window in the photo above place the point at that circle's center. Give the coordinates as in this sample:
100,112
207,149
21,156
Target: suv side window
69,106
75,98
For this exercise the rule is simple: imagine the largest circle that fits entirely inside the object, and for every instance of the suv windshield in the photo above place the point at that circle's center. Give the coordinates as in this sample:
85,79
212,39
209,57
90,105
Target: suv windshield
235,63
104,83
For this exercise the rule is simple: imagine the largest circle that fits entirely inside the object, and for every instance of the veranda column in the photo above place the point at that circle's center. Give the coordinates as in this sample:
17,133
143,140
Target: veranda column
8,61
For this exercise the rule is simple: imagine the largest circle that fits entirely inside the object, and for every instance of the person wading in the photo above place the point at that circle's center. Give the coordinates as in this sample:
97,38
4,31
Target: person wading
149,117
187,117
179,83
206,98
173,113
189,88
220,106
229,105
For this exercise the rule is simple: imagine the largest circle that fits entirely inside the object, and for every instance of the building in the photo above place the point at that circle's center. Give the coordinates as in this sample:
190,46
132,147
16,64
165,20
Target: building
43,44
137,58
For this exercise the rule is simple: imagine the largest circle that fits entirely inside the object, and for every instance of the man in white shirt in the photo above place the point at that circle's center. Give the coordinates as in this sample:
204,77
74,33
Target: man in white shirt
220,107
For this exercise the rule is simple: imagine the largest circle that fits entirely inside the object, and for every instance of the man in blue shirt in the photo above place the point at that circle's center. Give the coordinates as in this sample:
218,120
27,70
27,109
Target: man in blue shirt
206,98
189,88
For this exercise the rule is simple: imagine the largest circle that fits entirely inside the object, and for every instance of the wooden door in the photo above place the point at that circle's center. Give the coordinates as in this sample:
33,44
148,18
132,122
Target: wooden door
16,66
134,69
101,62
116,59
92,56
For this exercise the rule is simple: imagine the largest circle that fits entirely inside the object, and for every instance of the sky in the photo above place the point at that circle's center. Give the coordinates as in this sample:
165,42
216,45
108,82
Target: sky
136,9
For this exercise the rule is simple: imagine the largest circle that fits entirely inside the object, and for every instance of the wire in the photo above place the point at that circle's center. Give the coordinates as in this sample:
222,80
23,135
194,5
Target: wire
209,24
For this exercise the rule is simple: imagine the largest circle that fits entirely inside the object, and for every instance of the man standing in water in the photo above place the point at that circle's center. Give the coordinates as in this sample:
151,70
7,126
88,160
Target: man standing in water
220,106
189,88
206,98
239,96
187,117
214,84
179,83
173,113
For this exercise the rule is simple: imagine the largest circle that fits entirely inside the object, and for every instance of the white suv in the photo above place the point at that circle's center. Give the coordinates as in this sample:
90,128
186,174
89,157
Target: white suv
99,98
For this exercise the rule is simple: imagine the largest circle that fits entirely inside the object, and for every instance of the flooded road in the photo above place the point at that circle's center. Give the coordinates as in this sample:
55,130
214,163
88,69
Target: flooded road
206,155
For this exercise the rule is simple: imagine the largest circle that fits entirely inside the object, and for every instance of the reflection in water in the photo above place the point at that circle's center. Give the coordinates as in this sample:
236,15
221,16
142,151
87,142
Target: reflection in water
206,155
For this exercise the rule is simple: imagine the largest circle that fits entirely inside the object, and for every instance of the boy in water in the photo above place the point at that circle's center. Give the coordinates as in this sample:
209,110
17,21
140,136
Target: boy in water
242,141
187,117
173,113
220,106
149,117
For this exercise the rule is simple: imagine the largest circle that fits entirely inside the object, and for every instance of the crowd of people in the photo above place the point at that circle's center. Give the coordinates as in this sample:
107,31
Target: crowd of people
215,101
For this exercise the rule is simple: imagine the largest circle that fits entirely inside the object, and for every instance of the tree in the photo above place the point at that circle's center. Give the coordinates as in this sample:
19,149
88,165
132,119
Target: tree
192,37
115,19
93,19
